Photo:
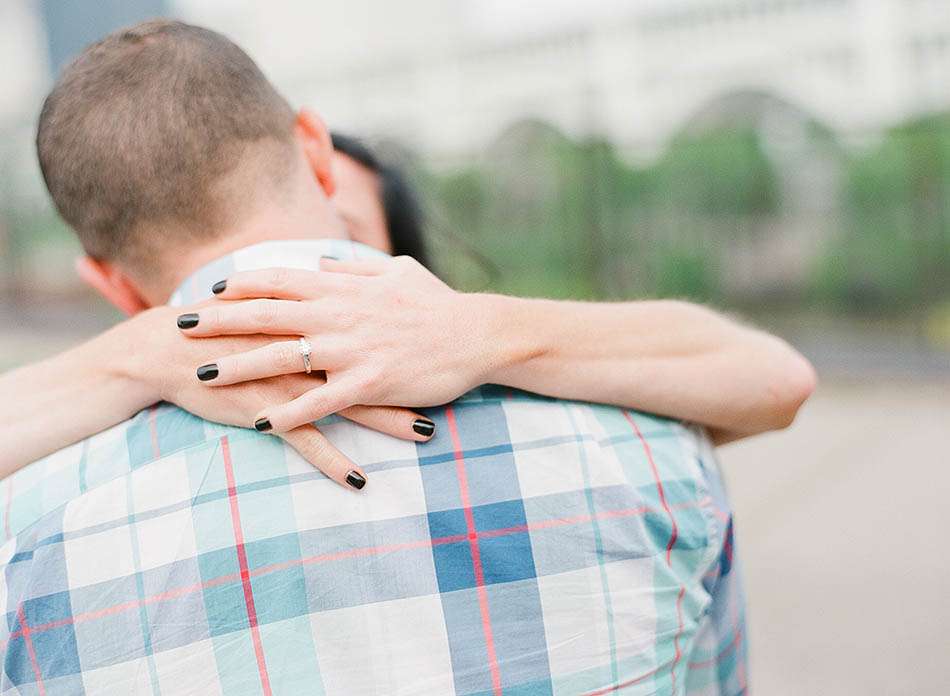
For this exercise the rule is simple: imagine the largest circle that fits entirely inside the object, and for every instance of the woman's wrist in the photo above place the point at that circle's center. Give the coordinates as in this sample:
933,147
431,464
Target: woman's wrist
119,360
507,335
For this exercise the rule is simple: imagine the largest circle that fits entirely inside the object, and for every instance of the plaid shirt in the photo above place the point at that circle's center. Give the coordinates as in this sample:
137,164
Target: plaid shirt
534,546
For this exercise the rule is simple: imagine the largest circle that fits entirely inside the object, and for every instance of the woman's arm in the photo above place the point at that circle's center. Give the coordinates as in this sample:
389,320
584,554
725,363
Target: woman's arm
667,357
388,331
53,403
61,400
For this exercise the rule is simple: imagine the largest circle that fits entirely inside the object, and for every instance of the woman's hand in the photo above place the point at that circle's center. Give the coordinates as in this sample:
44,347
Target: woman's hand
167,369
389,332
385,331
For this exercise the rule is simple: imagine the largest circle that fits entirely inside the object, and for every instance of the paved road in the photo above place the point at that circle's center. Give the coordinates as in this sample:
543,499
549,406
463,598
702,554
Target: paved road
844,528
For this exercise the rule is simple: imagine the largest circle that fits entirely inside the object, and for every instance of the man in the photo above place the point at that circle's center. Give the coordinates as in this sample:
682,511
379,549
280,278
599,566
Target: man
534,546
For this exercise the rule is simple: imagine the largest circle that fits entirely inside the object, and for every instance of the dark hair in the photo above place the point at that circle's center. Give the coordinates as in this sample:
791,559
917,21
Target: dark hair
140,128
404,217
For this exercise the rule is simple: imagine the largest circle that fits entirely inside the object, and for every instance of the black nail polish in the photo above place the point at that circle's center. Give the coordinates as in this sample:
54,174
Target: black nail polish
207,372
262,425
219,287
187,321
423,426
355,479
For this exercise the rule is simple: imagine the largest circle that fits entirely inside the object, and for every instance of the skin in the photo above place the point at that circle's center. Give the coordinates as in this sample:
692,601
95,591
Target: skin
369,317
358,203
667,357
144,360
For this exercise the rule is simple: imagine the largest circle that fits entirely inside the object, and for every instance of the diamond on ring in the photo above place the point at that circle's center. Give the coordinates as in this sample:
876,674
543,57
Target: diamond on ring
305,351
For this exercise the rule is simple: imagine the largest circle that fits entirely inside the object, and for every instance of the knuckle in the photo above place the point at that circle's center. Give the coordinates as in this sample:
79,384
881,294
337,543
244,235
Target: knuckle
309,443
211,318
376,290
397,419
312,404
341,317
335,400
318,446
287,355
264,312
338,315
278,277
353,318
371,383
261,393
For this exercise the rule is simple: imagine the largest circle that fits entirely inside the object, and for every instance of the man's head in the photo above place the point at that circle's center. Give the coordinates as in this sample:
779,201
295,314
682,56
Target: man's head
165,138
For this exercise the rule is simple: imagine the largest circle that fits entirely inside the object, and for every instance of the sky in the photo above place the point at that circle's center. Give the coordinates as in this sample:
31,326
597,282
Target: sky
504,17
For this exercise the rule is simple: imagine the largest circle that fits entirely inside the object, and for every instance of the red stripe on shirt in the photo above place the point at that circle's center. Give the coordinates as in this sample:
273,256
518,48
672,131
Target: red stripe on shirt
659,486
669,546
242,564
25,630
476,552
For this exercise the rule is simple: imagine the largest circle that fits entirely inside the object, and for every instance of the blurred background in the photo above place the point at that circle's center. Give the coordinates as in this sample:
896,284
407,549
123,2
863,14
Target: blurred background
784,160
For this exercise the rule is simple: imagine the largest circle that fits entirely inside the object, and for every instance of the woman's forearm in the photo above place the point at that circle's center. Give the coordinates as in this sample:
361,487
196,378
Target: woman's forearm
62,400
666,357
392,333
53,403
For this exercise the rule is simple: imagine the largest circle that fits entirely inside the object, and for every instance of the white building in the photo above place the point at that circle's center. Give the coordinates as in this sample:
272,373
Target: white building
448,76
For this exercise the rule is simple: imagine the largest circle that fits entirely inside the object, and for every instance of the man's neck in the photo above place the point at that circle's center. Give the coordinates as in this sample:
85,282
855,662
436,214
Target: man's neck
319,224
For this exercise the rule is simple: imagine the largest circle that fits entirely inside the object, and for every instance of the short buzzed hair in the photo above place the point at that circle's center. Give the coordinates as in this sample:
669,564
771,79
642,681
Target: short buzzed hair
141,125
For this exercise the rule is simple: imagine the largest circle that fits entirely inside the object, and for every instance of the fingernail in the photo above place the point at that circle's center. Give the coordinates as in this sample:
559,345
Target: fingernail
423,426
262,425
219,287
207,372
355,479
187,321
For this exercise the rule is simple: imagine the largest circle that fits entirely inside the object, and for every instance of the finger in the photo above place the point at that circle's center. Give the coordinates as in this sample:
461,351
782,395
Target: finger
398,422
280,283
272,317
278,358
315,404
316,449
364,267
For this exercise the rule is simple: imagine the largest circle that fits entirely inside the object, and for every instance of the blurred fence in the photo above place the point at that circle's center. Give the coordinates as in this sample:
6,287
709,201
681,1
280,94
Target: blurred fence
718,216
739,214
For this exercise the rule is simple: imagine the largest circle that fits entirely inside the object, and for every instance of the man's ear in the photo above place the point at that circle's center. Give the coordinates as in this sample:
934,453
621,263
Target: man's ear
313,136
112,284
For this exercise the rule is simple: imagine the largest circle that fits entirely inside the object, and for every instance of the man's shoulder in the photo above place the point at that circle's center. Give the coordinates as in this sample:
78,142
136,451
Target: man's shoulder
529,415
521,501
486,420
50,483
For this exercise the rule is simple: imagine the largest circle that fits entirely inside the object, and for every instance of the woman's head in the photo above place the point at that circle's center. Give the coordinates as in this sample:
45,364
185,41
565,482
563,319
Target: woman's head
376,200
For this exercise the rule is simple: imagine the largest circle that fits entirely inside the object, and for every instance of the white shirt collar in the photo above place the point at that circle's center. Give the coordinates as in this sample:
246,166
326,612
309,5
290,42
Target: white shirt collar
295,253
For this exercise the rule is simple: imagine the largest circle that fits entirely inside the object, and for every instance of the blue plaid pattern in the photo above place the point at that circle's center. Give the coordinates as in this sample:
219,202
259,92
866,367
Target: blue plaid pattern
534,546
